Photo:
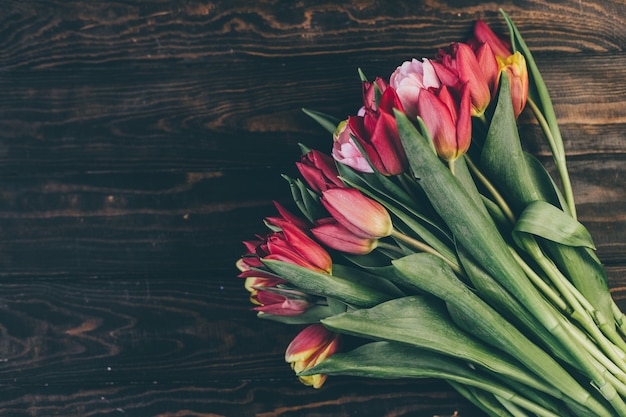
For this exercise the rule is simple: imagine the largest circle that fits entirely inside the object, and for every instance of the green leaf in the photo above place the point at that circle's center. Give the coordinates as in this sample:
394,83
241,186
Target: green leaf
544,220
327,121
392,360
356,292
473,230
502,159
424,322
306,200
378,282
431,274
312,315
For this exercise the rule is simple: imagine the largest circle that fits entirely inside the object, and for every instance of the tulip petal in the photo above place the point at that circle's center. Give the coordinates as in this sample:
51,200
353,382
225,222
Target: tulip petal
483,33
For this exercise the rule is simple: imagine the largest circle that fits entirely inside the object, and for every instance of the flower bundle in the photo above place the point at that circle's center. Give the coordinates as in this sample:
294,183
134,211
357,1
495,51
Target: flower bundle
440,248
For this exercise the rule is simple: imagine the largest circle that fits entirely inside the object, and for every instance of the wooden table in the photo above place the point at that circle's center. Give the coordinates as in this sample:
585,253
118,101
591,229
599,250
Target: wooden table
141,142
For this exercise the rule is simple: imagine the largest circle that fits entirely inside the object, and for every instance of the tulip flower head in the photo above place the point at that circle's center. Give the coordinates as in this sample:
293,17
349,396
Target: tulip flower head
377,133
458,65
281,302
319,171
294,246
448,121
409,79
359,214
309,348
332,234
515,68
345,150
500,46
372,92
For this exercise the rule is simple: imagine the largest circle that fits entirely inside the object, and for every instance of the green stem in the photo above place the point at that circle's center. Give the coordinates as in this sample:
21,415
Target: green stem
423,247
492,190
390,247
539,282
559,157
578,313
451,166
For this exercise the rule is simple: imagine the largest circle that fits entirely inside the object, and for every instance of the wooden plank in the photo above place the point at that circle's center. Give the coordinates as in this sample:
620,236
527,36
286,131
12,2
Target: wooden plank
250,398
68,33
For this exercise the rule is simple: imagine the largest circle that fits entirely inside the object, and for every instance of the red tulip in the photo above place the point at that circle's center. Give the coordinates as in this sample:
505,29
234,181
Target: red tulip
287,216
359,214
332,234
489,65
448,121
499,45
309,348
372,91
377,134
459,65
294,246
319,171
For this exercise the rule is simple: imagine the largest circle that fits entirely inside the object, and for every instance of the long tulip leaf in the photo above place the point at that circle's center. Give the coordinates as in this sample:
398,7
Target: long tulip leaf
327,121
352,292
394,360
471,313
502,159
424,322
311,315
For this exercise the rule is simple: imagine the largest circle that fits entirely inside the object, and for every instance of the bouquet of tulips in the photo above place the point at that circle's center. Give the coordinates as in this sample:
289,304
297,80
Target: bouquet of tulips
441,249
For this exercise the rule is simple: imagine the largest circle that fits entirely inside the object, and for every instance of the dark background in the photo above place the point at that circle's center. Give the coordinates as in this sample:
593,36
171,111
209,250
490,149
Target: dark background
142,141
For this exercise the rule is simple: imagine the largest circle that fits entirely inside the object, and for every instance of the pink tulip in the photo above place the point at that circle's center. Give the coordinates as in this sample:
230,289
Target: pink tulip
500,46
319,171
309,348
459,65
359,214
448,121
377,134
409,79
332,234
346,152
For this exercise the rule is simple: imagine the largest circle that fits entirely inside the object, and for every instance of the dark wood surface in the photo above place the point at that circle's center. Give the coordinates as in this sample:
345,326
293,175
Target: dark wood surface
141,142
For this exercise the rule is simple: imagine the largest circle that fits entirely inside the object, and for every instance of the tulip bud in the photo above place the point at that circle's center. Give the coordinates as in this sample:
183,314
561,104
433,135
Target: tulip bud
282,303
319,171
361,215
335,236
346,152
409,79
378,135
448,121
515,68
309,348
372,92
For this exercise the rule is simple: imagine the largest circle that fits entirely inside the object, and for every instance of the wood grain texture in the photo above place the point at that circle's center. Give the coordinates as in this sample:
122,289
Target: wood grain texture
141,142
